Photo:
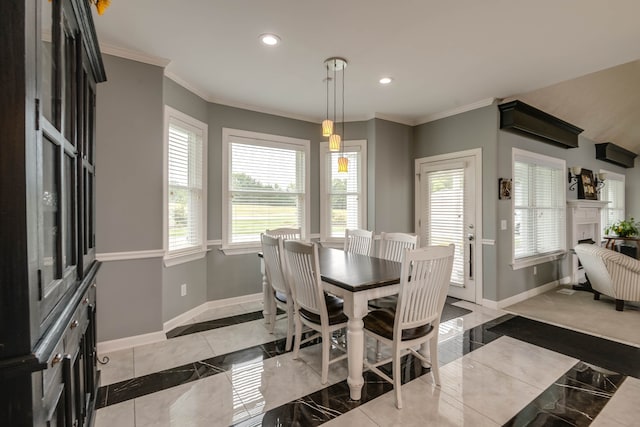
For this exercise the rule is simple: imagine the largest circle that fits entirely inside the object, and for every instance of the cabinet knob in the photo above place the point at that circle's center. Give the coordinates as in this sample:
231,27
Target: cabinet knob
74,324
56,359
95,285
86,300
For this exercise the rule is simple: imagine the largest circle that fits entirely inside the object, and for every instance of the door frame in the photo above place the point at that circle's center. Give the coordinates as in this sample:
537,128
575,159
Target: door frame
476,153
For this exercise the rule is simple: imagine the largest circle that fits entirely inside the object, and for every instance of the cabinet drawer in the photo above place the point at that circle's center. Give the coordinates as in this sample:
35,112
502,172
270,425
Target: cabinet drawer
77,326
53,373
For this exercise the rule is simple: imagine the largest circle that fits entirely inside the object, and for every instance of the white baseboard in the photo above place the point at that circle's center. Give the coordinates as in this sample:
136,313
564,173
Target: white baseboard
209,305
152,337
128,342
497,305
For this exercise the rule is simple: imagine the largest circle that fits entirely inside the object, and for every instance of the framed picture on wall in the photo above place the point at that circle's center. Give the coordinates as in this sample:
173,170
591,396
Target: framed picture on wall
504,188
587,186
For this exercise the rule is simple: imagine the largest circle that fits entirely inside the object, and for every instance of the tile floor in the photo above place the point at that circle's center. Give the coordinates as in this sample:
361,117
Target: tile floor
494,371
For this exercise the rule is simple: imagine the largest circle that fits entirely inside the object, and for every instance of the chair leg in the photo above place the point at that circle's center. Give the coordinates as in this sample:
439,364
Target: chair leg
296,345
290,331
272,320
397,378
433,355
378,353
619,305
326,348
596,295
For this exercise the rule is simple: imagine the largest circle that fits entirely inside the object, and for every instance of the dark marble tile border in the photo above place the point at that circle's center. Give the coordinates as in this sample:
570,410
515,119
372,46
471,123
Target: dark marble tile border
162,380
216,323
575,399
602,352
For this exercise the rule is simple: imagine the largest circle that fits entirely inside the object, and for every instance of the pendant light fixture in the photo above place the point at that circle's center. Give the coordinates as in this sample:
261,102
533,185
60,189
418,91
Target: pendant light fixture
327,124
329,127
343,162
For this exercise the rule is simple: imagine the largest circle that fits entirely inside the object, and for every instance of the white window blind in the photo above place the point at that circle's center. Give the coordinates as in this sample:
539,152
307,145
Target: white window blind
445,214
266,186
539,205
343,201
613,192
185,188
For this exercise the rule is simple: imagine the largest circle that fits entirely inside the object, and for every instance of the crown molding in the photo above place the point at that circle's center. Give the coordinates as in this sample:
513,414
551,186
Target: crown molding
188,86
458,110
133,55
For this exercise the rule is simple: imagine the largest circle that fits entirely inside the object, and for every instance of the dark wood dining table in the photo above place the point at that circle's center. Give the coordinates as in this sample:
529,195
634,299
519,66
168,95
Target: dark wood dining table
357,279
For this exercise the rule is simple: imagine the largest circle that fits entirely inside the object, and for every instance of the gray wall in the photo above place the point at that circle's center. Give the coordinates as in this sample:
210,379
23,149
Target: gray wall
193,274
129,197
129,157
469,130
392,163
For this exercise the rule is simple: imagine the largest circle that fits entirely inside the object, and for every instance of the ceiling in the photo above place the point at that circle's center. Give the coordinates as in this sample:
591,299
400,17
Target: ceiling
564,57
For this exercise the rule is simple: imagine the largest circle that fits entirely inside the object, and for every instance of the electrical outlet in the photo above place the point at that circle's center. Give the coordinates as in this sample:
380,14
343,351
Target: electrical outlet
535,270
183,289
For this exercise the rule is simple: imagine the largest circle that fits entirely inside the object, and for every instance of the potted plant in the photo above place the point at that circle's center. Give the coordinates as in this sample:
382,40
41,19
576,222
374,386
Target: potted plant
624,228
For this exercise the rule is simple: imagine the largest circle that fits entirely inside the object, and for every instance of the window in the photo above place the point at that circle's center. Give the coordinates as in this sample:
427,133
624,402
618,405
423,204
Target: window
185,187
343,200
265,186
613,191
539,208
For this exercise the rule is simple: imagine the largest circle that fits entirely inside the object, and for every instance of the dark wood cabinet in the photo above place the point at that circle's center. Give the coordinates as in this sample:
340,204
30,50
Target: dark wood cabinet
50,67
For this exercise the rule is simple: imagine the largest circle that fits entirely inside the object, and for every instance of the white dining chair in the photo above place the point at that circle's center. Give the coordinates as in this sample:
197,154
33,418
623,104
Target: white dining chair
424,281
358,241
393,245
273,255
314,308
286,233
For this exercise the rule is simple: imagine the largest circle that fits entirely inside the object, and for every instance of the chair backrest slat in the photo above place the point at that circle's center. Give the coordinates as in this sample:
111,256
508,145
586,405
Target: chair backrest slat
393,245
358,241
286,233
272,253
424,281
304,276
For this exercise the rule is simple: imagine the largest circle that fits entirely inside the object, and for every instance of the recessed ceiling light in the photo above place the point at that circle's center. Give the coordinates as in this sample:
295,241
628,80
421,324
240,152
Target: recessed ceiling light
269,39
385,80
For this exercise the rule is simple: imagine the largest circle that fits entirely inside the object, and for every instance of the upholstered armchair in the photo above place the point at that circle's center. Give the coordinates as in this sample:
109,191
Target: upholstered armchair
610,273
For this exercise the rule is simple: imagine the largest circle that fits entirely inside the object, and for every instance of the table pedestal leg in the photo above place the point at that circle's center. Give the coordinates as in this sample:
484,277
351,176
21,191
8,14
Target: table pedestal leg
355,346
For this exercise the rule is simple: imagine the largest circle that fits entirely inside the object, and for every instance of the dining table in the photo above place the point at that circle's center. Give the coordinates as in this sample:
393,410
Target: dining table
356,279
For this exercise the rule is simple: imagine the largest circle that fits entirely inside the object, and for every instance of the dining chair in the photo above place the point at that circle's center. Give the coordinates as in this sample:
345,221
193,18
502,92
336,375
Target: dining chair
286,233
273,254
313,307
358,241
424,281
393,245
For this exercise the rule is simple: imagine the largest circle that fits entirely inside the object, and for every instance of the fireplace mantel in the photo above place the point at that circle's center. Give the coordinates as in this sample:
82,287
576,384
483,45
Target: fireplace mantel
583,223
583,203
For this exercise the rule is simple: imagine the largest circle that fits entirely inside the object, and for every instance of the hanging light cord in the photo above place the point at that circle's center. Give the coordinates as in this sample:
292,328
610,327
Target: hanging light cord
327,92
343,134
334,93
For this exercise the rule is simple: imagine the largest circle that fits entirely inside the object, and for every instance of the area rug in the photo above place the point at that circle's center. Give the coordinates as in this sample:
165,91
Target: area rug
578,311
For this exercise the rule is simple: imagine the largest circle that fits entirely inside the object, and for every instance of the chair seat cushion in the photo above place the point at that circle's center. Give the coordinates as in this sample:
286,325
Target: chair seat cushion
384,302
281,297
381,322
334,310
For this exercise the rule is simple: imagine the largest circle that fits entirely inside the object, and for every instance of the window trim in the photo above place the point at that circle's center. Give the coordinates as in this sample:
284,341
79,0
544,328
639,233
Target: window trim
614,176
325,207
193,253
273,140
520,263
